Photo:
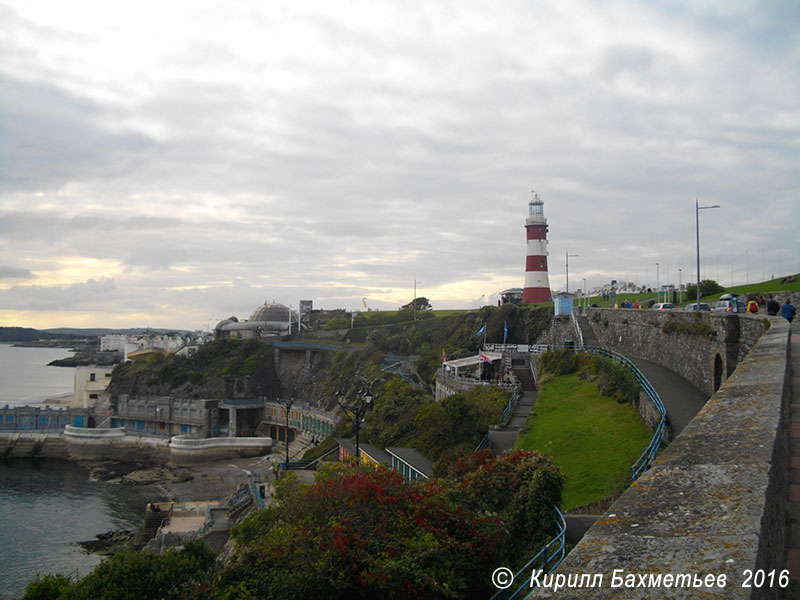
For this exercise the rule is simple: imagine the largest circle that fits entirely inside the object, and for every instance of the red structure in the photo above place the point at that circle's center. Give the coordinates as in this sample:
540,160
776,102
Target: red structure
537,283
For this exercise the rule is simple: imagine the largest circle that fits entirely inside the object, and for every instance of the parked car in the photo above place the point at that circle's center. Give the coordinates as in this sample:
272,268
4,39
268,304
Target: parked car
664,306
693,306
728,303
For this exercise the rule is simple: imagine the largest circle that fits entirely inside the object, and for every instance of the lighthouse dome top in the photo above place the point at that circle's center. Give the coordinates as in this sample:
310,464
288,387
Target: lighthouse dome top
536,210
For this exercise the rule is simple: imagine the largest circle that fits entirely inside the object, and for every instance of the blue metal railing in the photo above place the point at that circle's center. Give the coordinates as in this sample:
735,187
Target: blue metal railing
507,412
256,493
484,443
649,454
547,559
512,402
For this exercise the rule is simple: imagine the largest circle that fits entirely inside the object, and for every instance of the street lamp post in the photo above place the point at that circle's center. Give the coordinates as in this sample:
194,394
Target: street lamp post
697,209
286,404
356,409
658,284
568,257
585,295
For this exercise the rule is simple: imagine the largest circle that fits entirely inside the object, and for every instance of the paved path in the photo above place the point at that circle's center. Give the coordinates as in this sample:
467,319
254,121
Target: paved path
793,504
503,441
681,399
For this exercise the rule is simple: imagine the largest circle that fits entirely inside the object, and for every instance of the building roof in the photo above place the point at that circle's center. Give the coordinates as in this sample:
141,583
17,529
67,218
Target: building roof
412,456
373,452
272,312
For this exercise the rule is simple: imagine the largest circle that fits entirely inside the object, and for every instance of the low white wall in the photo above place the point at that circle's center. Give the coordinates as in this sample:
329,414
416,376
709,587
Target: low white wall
180,442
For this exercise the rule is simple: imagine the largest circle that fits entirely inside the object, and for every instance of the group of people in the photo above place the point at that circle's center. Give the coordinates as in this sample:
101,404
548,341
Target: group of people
773,307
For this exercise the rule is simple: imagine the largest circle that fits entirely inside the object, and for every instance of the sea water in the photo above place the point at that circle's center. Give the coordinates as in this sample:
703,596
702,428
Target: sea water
25,377
46,506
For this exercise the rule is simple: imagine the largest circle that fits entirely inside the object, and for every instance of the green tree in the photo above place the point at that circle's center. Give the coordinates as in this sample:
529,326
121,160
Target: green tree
146,576
458,419
49,587
421,303
391,421
707,288
522,488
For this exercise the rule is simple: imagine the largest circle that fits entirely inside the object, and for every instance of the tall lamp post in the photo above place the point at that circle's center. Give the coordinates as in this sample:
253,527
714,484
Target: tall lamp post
568,257
658,284
286,404
697,209
585,294
355,409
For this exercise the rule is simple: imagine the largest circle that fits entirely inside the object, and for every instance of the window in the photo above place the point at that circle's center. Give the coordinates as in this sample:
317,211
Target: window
92,376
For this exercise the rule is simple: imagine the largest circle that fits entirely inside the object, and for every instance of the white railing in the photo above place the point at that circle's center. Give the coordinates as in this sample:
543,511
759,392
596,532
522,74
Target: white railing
522,348
463,383
574,320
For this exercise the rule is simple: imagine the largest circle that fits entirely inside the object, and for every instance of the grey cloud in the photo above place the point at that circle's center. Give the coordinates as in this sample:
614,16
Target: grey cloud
7,272
428,179
89,294
51,137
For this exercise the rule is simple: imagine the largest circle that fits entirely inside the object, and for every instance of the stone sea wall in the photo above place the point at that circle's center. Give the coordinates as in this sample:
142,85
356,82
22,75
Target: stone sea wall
33,445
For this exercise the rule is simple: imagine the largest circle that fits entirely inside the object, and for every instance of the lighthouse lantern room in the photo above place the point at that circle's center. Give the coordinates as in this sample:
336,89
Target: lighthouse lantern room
537,283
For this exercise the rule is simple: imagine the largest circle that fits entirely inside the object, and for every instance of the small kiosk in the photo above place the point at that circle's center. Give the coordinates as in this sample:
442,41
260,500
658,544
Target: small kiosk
563,303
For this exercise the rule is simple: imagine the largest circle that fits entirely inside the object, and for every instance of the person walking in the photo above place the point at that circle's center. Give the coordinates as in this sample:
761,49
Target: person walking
773,307
752,307
787,311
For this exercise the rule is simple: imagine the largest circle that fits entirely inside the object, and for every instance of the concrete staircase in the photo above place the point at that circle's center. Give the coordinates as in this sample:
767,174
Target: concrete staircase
586,330
502,441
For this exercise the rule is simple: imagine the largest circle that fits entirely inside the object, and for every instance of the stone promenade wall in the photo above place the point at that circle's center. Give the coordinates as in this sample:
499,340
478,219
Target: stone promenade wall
640,334
712,504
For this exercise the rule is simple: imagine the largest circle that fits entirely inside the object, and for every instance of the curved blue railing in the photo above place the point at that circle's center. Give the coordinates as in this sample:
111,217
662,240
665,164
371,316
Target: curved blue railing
547,559
649,454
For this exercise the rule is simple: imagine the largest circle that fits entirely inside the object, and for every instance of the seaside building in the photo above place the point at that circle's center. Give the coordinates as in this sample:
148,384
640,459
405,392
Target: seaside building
89,382
166,416
267,320
129,344
511,296
537,283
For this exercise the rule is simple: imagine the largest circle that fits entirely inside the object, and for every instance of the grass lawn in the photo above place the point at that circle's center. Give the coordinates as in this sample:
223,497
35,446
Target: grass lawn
765,287
593,438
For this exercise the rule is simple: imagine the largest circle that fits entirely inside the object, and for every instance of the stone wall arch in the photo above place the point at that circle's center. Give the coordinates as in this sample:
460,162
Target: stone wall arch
717,370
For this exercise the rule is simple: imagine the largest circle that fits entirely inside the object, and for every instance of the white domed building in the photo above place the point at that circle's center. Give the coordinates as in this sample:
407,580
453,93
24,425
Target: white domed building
269,319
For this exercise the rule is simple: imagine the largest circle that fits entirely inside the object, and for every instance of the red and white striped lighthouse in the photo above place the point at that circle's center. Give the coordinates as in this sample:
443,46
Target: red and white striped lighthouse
537,284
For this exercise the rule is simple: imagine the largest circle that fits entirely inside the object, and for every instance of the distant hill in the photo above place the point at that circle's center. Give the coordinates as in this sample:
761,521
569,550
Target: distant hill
66,334
105,331
26,334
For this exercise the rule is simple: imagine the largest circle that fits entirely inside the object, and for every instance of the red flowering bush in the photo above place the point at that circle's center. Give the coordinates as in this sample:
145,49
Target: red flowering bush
363,532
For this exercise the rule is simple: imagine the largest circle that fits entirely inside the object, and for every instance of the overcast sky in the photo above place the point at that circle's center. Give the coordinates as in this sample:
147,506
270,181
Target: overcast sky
169,164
